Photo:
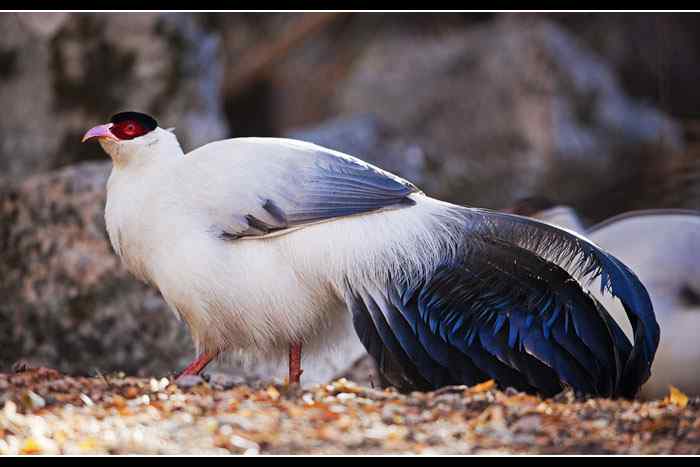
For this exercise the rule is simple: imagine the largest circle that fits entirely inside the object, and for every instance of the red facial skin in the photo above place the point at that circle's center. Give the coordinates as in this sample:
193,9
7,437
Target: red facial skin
128,129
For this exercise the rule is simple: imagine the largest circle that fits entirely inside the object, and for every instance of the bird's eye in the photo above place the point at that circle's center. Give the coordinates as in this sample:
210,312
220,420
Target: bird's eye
128,129
130,125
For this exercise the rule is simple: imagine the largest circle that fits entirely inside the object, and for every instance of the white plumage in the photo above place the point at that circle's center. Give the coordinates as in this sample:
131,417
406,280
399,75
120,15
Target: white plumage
164,215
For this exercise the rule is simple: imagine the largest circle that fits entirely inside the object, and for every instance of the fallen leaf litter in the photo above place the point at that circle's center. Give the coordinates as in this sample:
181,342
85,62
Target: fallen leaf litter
45,412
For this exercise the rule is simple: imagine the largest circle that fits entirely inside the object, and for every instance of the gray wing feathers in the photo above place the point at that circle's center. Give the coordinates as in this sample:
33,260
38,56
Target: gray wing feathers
315,184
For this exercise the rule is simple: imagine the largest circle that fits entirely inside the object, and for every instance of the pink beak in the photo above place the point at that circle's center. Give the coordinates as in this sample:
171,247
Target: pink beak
100,131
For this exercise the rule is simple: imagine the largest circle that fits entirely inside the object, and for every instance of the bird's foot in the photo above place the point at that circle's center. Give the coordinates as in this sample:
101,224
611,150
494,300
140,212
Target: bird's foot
198,365
295,370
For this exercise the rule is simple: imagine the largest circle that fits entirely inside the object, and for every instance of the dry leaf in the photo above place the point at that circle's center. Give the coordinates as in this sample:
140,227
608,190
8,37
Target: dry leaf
30,446
88,444
483,387
273,393
327,418
677,397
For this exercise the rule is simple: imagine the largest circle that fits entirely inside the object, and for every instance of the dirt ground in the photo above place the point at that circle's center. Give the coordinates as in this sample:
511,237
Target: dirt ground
45,412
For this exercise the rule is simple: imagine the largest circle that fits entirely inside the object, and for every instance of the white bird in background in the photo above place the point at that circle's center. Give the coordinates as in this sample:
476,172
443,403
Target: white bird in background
263,245
662,247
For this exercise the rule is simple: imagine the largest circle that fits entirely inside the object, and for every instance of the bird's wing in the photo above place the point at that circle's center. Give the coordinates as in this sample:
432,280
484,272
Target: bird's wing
277,184
505,307
585,261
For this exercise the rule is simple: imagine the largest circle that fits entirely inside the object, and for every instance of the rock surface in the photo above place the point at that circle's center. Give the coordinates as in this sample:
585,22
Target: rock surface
60,73
370,139
67,301
663,72
512,108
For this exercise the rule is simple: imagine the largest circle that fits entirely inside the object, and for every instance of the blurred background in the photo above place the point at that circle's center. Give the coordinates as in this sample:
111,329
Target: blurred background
595,110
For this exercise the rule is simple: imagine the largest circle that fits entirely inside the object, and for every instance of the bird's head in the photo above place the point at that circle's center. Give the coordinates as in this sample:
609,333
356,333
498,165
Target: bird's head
131,137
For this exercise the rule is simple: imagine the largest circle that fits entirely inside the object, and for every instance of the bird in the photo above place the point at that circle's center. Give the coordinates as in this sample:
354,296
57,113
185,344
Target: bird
265,246
661,245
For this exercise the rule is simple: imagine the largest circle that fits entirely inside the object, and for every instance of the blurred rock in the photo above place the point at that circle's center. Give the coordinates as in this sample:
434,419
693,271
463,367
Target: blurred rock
61,73
512,108
656,56
298,87
67,301
366,137
681,179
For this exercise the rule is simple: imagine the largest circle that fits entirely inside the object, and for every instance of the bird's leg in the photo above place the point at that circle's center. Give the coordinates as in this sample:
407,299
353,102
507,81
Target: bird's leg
198,364
295,370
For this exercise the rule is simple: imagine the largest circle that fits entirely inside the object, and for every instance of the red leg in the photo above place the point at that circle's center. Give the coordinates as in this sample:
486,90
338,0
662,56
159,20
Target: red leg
198,364
295,370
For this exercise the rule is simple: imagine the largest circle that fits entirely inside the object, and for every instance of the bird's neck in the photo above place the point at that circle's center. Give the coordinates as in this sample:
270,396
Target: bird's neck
149,156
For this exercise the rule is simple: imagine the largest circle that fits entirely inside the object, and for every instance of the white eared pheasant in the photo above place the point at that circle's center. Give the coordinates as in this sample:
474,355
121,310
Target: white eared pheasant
265,245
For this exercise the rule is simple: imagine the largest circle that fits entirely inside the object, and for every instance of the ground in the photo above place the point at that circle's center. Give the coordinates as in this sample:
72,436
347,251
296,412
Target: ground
44,411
